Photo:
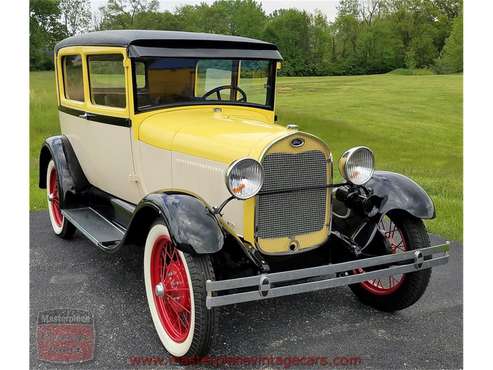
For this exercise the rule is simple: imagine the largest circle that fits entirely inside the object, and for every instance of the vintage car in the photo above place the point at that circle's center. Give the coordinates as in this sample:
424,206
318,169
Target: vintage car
170,142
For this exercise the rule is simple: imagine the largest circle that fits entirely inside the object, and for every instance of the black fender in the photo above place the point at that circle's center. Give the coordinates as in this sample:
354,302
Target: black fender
71,178
192,225
400,193
390,192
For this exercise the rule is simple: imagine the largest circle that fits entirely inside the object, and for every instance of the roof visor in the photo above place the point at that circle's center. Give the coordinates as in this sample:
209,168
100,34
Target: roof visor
135,51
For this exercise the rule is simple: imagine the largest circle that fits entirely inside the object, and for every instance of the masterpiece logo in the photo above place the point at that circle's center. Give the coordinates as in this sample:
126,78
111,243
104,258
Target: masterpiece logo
65,336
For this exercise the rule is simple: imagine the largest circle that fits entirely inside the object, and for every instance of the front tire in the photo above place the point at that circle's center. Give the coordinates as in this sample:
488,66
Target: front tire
403,232
61,226
176,294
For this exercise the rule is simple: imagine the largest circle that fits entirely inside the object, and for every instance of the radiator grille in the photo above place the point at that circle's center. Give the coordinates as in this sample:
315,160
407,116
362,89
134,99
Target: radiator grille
290,214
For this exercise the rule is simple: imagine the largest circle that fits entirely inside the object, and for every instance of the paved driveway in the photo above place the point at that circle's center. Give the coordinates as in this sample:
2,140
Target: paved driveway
329,323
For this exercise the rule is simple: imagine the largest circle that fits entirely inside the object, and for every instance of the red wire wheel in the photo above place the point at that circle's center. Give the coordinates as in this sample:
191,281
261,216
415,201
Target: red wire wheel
171,289
397,244
54,198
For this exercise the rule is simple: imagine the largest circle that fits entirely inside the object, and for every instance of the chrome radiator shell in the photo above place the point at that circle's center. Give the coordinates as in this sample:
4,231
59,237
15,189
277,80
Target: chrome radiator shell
291,216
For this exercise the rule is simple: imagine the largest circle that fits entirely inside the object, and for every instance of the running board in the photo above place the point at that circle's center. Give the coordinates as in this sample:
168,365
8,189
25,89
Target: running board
98,229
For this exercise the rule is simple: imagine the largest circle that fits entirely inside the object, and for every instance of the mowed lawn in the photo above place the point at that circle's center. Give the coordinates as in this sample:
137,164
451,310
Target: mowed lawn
412,123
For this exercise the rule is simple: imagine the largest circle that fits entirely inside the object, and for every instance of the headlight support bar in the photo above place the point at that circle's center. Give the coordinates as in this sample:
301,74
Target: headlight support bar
217,210
306,188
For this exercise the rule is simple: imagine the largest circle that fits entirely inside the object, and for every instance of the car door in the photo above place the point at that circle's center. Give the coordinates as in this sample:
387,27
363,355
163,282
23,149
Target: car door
94,116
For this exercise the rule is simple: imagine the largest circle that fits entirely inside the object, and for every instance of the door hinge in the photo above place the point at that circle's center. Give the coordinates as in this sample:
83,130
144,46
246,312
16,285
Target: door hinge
133,178
126,62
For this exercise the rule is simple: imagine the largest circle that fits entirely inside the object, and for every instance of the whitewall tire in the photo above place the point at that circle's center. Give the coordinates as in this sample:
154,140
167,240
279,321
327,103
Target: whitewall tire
175,290
61,226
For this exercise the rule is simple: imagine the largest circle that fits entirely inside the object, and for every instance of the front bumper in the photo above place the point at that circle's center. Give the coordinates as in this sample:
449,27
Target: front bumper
278,284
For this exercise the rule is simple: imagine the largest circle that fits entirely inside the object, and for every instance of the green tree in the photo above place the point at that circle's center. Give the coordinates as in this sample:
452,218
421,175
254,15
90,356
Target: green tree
290,30
320,45
76,15
379,48
348,7
451,8
156,21
45,31
121,14
418,24
231,17
240,15
203,18
451,57
346,28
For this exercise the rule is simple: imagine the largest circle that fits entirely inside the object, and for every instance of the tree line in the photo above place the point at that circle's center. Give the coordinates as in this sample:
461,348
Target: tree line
366,37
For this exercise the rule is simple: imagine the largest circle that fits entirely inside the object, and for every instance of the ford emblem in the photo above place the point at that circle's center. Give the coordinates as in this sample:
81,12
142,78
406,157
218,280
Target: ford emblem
297,143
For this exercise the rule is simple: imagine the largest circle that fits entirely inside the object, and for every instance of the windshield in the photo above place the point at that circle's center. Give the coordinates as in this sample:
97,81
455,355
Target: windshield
183,81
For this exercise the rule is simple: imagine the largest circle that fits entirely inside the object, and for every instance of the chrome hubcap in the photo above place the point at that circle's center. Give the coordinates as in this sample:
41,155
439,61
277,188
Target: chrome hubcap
159,290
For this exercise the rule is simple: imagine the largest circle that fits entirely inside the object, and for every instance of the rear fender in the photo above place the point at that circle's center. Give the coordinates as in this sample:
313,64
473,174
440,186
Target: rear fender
71,178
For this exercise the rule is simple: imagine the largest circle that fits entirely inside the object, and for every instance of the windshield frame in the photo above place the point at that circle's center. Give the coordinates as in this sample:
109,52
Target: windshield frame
270,98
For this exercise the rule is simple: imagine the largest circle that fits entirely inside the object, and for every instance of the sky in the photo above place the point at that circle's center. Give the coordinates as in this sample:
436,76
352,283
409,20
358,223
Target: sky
327,7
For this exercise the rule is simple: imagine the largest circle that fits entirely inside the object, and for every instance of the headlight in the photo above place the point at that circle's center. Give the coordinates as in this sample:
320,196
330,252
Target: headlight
244,178
357,165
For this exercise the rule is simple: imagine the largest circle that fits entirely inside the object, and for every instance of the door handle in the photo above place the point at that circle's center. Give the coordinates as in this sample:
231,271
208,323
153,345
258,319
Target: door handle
86,115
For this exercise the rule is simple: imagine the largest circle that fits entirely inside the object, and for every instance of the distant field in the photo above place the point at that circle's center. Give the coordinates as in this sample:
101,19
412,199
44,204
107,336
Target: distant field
412,123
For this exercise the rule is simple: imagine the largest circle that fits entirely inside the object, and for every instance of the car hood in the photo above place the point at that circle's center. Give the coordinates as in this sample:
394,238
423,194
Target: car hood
221,134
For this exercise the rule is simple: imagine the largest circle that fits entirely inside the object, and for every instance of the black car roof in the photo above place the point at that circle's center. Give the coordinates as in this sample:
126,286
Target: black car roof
167,39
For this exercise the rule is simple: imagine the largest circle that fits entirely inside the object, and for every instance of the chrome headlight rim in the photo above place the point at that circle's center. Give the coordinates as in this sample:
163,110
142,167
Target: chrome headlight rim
234,165
345,158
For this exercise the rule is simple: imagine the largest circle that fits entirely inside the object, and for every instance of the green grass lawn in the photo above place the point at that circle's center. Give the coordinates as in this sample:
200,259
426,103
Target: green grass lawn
412,123
43,122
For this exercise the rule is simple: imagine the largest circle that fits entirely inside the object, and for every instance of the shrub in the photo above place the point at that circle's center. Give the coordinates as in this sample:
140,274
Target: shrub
412,72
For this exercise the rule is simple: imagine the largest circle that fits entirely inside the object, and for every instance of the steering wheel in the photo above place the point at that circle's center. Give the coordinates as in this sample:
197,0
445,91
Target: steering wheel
217,91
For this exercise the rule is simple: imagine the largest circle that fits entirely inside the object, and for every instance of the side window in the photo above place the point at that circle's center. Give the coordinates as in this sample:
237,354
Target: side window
72,77
107,80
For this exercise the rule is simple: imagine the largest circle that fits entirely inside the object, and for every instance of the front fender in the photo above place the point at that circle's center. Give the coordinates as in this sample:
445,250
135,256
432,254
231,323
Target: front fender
192,226
400,192
396,192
